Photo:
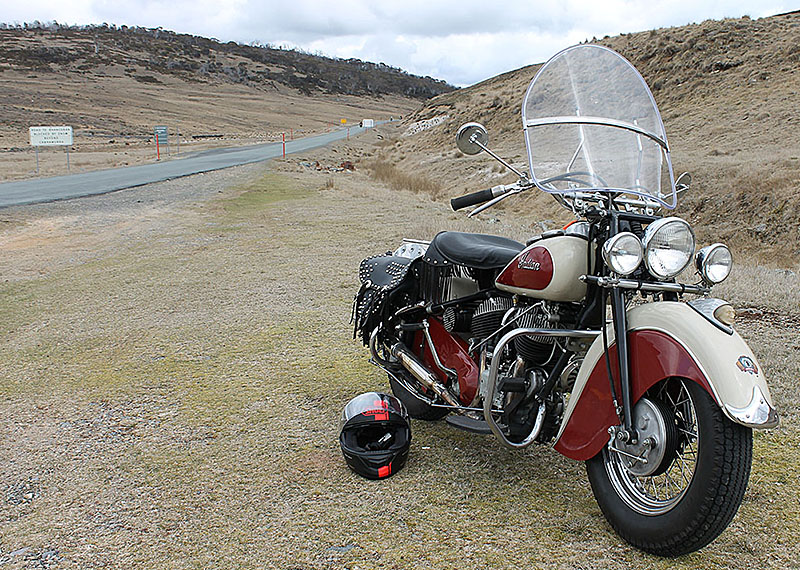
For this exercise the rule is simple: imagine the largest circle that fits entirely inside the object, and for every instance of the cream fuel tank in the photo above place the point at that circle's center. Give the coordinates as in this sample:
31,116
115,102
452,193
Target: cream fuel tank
551,266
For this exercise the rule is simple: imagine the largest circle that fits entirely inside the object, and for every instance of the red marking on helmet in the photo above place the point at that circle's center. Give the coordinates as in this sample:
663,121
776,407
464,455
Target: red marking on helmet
384,471
379,416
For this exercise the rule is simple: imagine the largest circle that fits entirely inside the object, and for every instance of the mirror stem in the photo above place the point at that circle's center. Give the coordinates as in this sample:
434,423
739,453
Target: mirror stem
524,177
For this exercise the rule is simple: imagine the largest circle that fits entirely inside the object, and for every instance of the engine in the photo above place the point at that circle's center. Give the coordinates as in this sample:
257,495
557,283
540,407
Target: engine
526,366
398,297
486,319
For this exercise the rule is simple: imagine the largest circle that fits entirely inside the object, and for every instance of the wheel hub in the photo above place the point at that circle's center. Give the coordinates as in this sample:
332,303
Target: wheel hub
644,457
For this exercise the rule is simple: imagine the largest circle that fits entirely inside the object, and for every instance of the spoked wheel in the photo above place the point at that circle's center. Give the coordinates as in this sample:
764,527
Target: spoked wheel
680,485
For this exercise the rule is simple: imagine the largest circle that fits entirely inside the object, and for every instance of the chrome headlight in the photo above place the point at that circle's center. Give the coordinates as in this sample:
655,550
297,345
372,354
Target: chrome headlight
714,262
668,247
623,253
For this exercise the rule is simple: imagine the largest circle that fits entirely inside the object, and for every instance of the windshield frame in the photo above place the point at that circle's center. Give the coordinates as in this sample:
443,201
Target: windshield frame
666,199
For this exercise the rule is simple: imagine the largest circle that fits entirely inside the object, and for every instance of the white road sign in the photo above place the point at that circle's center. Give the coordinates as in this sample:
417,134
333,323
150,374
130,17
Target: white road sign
51,136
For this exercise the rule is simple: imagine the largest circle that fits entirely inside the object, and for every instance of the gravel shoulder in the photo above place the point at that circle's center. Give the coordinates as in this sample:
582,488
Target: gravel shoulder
174,362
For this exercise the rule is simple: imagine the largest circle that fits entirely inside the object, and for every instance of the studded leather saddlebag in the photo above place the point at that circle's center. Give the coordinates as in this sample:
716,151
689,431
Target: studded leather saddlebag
386,285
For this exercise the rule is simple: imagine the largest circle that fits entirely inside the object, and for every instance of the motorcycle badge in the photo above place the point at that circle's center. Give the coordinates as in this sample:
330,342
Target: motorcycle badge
746,364
530,259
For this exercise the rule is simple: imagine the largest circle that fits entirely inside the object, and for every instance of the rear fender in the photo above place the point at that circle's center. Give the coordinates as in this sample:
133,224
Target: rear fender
666,339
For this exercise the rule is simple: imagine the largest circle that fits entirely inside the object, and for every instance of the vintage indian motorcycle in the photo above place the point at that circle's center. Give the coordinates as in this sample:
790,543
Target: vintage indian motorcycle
581,339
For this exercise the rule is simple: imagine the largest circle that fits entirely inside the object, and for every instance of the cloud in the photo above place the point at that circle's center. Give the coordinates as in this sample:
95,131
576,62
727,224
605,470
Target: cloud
461,41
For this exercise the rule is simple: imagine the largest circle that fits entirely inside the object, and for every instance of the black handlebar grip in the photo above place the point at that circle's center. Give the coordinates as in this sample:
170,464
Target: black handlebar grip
471,199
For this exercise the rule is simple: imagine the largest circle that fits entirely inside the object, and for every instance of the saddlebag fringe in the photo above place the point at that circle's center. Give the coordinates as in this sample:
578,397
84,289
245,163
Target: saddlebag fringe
435,281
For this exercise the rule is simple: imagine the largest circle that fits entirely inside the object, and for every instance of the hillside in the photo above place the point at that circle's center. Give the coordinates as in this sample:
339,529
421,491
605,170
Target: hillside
728,94
112,85
144,53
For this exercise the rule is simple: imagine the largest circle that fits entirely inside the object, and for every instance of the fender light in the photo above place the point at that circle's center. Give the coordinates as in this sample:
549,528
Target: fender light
716,311
714,262
725,314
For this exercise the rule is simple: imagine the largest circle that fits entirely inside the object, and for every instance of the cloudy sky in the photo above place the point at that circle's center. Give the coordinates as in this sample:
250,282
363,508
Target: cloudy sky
461,41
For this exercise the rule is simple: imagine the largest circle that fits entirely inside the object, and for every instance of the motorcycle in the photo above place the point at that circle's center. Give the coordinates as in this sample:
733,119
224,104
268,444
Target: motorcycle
582,338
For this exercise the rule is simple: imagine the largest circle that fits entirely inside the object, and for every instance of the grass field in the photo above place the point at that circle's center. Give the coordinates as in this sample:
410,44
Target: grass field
174,362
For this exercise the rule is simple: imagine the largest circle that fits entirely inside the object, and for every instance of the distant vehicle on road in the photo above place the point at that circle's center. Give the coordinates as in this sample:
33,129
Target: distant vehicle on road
367,123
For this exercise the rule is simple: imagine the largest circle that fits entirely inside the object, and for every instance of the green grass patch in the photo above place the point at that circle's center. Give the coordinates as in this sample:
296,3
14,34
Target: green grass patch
264,191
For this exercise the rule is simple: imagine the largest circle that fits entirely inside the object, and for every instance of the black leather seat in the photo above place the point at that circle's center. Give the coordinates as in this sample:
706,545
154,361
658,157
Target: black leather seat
478,251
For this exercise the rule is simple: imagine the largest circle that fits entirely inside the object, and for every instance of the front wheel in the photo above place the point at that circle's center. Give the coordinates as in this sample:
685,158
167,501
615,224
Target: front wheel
680,486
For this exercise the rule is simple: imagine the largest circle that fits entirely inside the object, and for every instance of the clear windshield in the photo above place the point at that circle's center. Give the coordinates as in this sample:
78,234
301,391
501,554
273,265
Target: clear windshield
591,124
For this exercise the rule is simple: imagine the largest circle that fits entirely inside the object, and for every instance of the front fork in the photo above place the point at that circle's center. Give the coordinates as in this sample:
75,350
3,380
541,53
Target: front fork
620,321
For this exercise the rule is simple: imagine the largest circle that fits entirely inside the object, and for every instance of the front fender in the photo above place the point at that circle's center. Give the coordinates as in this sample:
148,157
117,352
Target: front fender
666,339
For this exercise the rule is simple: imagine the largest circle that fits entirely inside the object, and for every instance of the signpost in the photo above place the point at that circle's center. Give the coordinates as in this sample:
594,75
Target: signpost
161,134
50,136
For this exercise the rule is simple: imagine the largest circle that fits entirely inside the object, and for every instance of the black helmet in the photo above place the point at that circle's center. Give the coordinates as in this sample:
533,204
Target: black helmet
375,435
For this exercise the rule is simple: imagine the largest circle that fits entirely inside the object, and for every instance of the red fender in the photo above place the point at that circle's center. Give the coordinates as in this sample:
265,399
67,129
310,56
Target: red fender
654,356
452,351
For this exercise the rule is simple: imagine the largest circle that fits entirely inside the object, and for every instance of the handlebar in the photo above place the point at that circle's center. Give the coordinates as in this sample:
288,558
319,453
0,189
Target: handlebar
478,197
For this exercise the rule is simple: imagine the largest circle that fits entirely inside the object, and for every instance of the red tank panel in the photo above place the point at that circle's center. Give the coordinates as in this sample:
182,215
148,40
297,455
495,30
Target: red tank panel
532,269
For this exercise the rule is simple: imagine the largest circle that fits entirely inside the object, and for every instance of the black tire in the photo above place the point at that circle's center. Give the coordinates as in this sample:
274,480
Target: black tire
711,493
417,409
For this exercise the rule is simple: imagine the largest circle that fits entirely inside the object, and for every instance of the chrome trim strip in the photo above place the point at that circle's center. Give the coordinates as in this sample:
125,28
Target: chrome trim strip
706,306
757,414
601,121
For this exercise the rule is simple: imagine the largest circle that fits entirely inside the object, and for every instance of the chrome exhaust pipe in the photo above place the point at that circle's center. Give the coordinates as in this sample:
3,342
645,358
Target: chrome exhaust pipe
427,378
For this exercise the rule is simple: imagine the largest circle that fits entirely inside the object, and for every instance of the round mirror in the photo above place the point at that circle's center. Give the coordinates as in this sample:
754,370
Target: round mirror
468,135
683,182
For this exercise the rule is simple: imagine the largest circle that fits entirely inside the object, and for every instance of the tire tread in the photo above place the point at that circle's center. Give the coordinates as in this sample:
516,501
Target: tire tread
723,491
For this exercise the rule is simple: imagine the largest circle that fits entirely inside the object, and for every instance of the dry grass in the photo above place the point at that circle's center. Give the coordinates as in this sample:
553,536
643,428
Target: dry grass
397,179
175,359
113,128
763,288
171,396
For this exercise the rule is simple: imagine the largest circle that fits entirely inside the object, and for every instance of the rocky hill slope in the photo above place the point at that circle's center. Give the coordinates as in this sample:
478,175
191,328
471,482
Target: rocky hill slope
145,53
728,92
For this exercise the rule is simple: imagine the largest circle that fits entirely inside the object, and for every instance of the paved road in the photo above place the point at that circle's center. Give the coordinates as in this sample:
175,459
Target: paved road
102,181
